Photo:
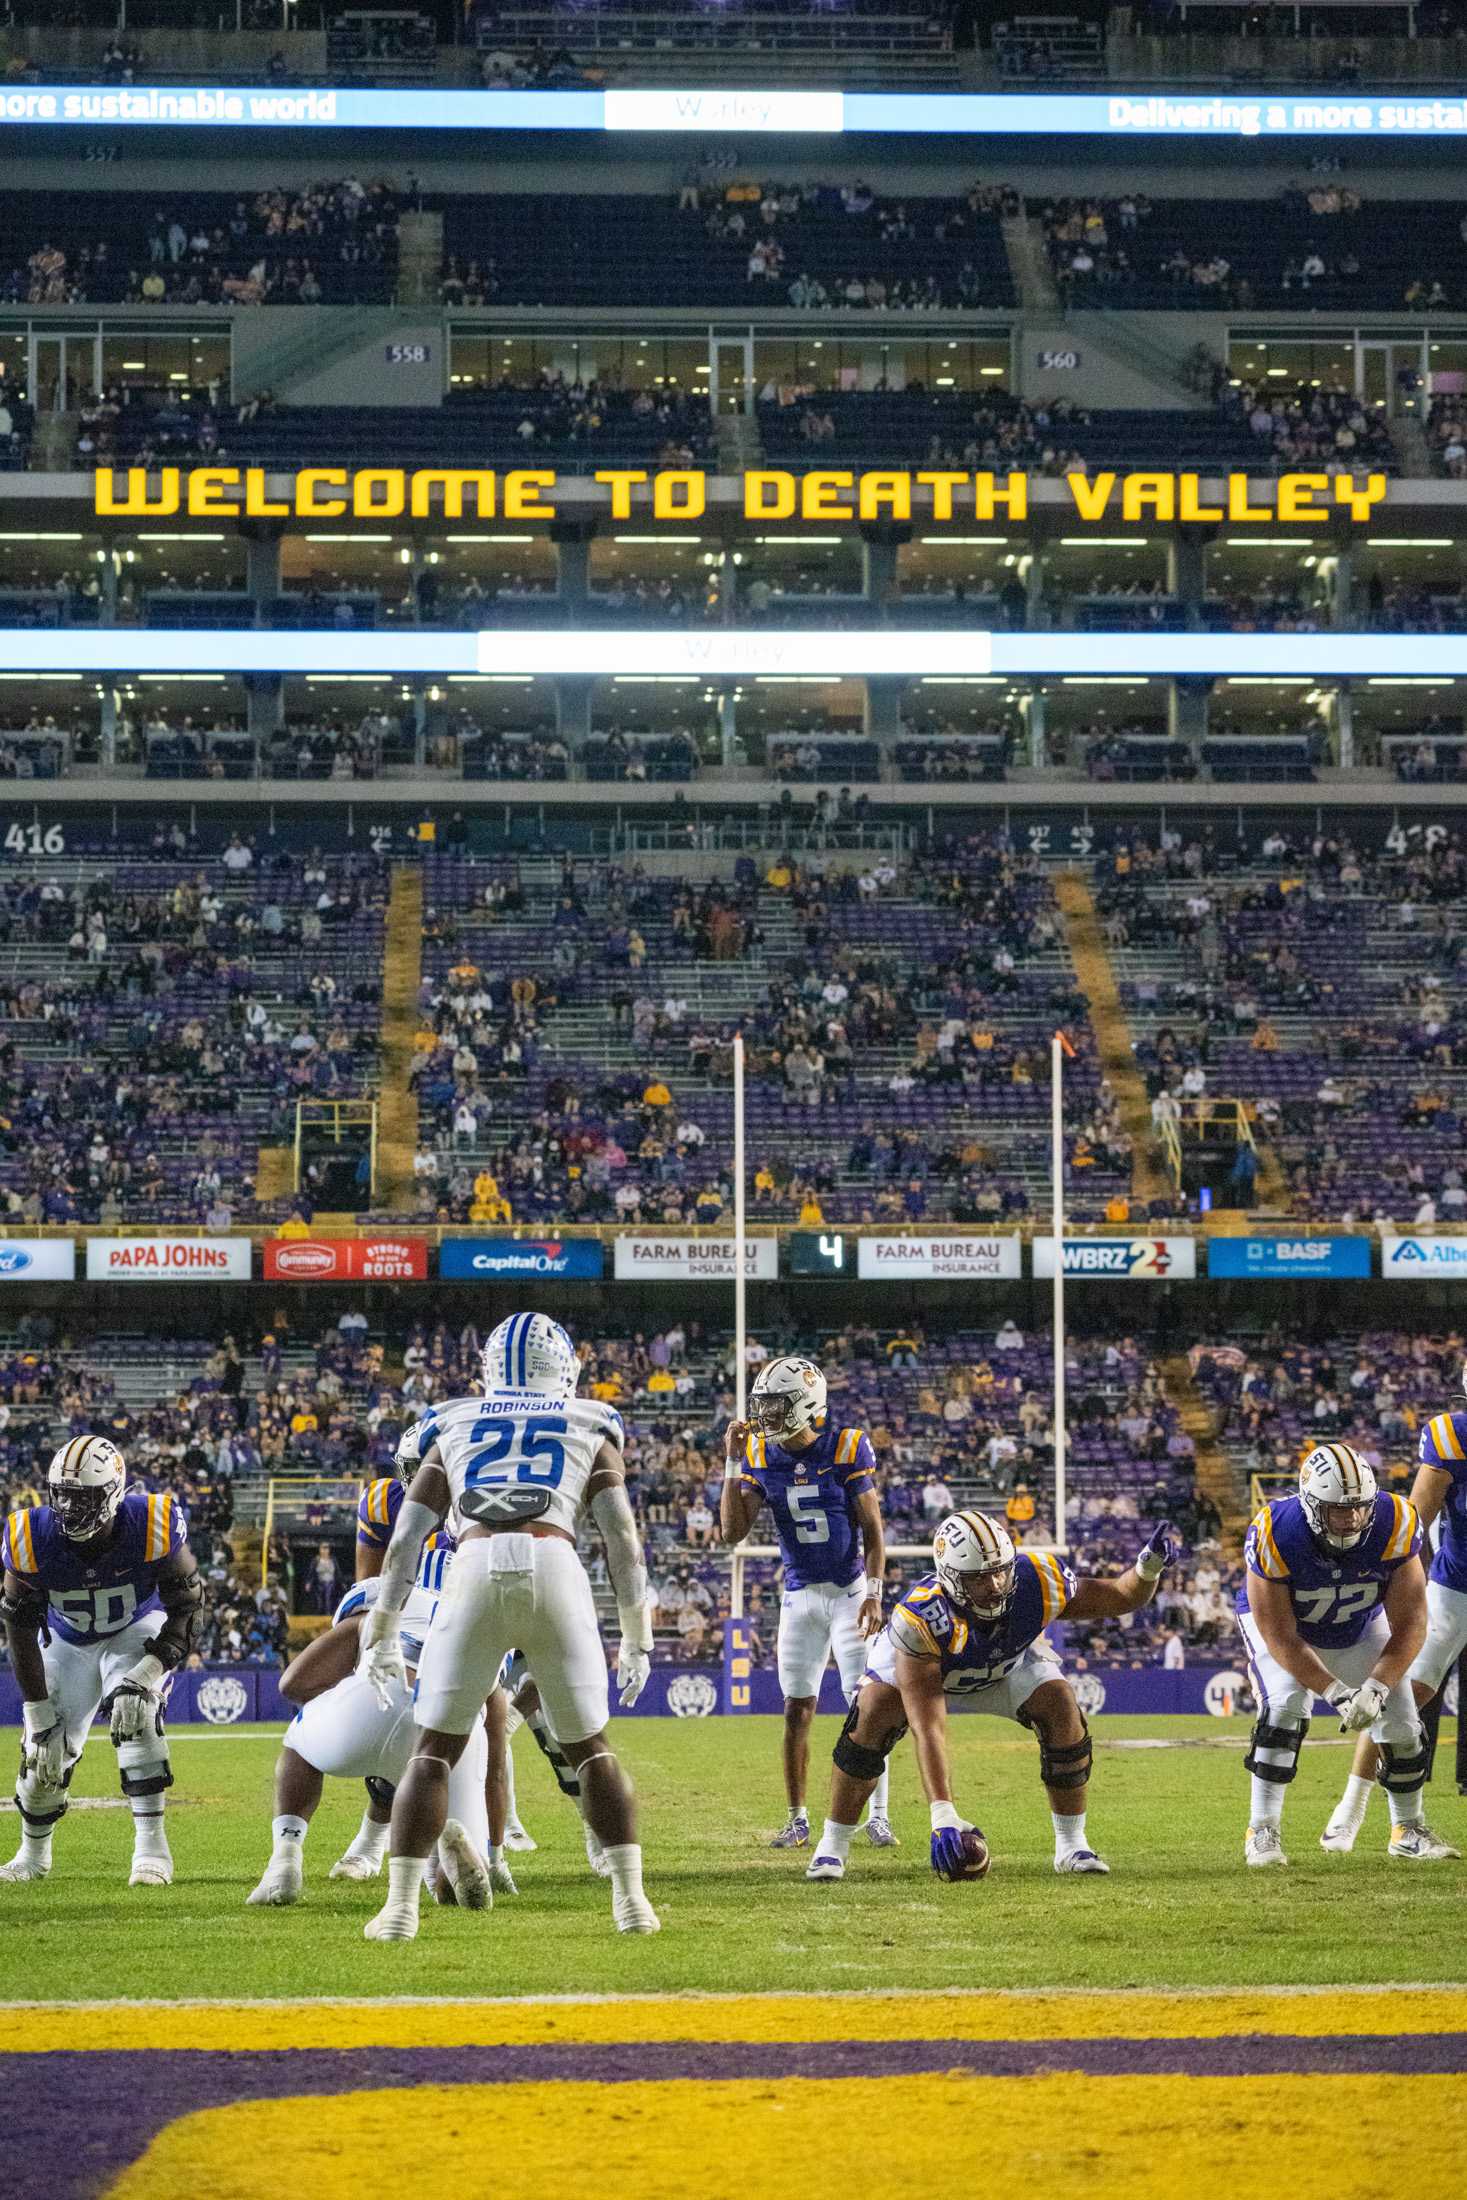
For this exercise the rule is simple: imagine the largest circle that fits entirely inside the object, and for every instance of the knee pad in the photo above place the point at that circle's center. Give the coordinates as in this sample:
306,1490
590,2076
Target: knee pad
1403,1772
1068,1765
1265,1736
39,1806
143,1767
859,1759
380,1791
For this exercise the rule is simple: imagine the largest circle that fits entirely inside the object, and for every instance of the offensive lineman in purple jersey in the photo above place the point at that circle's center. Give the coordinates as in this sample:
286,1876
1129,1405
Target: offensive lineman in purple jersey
1333,1604
973,1629
820,1486
103,1578
1439,1493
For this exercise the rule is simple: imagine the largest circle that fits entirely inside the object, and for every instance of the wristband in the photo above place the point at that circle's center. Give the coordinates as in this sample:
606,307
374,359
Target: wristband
147,1673
635,1621
875,1588
732,1469
945,1814
39,1718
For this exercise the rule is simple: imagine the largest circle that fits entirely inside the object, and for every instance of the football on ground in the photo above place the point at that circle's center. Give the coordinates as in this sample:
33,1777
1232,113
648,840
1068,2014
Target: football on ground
1168,1807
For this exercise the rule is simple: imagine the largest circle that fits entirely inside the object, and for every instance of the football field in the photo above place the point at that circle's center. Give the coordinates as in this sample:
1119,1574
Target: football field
1183,2026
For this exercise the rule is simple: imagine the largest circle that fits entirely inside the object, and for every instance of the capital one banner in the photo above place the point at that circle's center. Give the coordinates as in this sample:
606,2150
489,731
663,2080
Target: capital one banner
1121,1260
37,1260
938,1257
674,1259
386,1259
491,1260
169,1260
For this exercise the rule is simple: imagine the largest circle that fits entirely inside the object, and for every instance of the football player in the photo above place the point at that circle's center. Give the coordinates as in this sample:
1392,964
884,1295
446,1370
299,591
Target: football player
973,1629
818,1481
1333,1604
101,1602
1439,1494
516,1465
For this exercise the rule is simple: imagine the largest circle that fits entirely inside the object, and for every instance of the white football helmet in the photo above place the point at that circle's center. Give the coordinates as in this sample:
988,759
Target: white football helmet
1335,1479
408,1455
974,1560
788,1398
531,1352
84,1486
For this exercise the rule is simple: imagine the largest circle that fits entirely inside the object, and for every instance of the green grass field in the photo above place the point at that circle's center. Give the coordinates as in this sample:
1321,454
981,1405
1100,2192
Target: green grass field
1180,1908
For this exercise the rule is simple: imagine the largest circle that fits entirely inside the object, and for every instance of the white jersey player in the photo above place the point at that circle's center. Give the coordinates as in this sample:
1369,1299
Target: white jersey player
515,1467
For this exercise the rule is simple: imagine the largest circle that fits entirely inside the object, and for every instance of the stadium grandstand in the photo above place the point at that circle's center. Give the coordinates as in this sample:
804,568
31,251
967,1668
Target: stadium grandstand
739,730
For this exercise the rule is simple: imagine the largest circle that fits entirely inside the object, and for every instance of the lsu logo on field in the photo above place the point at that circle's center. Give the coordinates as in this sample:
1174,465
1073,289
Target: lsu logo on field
691,1696
222,1700
1225,1693
1089,1691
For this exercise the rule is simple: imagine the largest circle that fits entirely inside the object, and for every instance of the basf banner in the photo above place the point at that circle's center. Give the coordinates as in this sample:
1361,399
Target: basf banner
169,1260
346,1260
1404,1256
938,1257
488,1260
1292,1258
37,1260
1124,1260
693,1260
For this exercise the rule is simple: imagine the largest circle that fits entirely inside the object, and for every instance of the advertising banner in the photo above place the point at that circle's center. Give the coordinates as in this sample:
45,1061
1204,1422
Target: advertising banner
37,1260
490,1260
1121,1260
169,1260
937,1257
1291,1258
346,1260
675,1259
1404,1256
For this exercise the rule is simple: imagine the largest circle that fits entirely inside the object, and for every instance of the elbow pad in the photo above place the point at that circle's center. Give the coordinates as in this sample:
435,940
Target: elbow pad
183,1601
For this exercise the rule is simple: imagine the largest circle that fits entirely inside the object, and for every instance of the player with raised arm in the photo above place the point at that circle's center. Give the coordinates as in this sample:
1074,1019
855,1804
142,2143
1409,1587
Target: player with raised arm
1333,1604
819,1483
516,1466
101,1602
973,1628
1439,1494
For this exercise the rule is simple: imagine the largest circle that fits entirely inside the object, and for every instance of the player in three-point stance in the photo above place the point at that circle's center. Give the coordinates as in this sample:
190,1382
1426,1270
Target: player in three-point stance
973,1628
1439,1493
101,1601
819,1483
1333,1604
515,1465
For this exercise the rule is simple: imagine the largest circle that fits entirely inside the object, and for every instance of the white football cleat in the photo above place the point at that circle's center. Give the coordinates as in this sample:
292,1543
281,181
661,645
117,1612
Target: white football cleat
1264,1846
633,1913
879,1833
1081,1860
280,1886
1339,1836
516,1838
466,1869
501,1878
20,1869
1420,1845
151,1871
392,1922
596,1856
354,1865
825,1867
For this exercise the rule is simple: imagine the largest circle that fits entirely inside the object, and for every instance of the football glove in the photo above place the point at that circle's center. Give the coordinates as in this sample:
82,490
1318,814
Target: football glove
949,1858
382,1658
1157,1553
1361,1707
43,1743
633,1669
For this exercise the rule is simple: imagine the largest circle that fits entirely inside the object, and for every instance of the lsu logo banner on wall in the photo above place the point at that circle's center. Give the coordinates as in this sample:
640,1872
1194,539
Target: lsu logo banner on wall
1124,1260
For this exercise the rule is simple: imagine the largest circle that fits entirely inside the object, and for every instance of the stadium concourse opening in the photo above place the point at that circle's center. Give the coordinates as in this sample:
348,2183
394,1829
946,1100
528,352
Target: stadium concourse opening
732,1054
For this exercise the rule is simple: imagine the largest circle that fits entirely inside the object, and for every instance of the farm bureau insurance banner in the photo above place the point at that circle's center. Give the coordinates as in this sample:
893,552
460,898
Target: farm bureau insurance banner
676,1258
938,1257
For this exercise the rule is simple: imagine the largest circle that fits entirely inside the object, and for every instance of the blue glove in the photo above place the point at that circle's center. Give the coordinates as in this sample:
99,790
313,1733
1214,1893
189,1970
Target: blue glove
1159,1551
950,1858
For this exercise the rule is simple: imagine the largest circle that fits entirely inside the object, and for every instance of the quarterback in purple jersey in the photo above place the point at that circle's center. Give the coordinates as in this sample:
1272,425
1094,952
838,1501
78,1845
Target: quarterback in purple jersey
1439,1494
101,1601
1333,1604
973,1628
819,1483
